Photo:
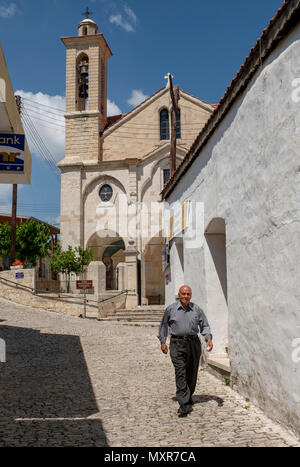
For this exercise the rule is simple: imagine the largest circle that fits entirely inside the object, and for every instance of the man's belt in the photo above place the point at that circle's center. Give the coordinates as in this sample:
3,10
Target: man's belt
187,337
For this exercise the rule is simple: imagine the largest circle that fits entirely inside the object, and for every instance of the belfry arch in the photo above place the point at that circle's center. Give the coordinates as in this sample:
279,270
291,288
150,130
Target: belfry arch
82,82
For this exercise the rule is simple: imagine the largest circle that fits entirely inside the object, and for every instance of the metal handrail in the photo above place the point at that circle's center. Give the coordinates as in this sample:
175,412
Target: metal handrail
111,298
59,295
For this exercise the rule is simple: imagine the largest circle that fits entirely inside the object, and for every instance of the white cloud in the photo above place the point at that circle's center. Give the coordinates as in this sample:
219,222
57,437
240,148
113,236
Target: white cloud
137,97
53,220
131,15
47,115
112,108
8,11
6,197
128,23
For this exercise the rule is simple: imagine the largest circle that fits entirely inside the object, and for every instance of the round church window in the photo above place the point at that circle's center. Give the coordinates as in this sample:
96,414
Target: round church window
105,193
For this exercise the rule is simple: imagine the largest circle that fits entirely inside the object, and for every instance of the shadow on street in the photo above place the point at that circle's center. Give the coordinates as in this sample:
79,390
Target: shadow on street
45,391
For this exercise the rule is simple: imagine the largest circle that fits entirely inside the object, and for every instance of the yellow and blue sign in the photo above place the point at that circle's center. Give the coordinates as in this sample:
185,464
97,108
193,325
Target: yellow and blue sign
12,153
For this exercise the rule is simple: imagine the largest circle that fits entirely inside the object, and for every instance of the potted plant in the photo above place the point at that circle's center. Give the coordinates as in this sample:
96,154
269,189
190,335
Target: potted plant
17,265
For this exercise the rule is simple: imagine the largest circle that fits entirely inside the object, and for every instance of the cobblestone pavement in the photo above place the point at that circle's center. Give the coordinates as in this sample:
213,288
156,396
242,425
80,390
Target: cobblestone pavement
74,382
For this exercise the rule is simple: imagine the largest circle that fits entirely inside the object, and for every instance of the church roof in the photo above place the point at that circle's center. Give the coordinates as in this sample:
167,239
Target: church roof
87,20
112,120
285,19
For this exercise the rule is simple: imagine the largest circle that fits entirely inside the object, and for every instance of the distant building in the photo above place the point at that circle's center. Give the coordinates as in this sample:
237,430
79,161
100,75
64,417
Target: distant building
43,271
15,157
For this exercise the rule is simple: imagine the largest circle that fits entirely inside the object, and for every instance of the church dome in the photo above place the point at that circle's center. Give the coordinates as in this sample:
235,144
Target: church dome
87,27
88,20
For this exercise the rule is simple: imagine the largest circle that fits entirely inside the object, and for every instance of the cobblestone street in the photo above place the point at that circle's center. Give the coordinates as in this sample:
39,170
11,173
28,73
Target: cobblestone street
74,382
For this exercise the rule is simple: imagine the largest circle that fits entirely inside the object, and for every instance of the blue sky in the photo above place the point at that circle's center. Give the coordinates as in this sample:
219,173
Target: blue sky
203,44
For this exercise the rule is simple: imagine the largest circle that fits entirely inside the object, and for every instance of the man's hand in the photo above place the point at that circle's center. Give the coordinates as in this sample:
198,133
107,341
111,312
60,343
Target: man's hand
209,345
164,348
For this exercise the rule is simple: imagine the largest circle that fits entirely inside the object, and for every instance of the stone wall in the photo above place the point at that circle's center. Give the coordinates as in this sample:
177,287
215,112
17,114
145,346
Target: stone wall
23,293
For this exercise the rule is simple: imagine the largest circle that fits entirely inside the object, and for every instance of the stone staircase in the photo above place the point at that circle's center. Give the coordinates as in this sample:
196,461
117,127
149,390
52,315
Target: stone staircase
145,313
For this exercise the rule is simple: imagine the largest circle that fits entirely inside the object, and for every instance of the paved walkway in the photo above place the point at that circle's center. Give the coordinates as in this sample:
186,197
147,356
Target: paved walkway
74,382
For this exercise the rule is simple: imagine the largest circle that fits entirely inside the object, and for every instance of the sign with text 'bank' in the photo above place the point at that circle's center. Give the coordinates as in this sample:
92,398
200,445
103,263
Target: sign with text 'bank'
12,153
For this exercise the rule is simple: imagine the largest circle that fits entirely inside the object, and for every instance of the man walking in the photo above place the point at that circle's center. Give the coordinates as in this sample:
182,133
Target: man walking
184,319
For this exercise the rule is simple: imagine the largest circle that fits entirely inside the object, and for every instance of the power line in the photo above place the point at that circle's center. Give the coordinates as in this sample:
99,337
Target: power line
34,206
150,132
32,137
43,204
39,143
44,115
42,143
42,105
157,125
31,132
43,120
52,127
41,111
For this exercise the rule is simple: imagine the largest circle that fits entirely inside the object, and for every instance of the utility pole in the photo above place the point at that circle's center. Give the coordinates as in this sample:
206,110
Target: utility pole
13,224
174,92
14,204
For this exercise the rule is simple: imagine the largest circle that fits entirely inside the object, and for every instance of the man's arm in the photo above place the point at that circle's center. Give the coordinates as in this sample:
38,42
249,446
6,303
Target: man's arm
163,331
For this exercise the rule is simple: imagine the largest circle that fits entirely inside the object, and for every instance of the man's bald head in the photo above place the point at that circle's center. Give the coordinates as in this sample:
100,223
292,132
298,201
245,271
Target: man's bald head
187,287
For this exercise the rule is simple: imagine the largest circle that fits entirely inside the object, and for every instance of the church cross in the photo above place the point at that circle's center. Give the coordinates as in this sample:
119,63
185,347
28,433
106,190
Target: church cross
87,13
168,78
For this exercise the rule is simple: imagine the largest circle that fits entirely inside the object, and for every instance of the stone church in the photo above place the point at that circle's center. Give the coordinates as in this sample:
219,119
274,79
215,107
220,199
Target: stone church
114,170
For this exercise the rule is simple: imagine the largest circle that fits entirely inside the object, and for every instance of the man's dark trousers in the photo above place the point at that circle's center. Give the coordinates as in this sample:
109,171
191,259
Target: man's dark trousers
185,355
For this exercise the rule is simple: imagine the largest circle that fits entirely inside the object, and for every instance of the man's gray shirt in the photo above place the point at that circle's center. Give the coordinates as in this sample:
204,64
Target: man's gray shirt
182,322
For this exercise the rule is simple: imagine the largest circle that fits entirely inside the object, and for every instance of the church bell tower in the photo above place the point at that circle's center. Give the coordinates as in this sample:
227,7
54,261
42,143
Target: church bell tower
86,91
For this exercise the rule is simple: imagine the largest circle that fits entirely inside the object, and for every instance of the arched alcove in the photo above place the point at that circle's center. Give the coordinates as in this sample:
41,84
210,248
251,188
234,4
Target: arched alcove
216,282
108,248
154,277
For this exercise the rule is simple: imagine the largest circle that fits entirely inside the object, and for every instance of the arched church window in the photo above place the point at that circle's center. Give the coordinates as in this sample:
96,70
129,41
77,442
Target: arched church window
164,124
166,176
84,31
178,124
82,82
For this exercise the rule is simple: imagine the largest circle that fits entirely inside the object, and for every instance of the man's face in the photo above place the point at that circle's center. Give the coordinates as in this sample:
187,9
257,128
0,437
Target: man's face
185,295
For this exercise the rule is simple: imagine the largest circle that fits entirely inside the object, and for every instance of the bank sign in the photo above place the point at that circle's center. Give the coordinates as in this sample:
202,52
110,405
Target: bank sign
12,153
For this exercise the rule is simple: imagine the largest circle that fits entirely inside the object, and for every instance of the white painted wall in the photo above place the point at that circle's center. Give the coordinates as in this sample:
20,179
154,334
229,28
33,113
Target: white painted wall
248,174
177,269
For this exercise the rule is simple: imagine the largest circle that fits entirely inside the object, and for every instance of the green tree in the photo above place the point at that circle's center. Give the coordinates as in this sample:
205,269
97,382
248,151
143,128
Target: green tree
73,260
33,241
5,239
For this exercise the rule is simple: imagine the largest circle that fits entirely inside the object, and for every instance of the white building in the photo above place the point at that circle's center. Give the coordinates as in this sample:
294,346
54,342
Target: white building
15,157
242,176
